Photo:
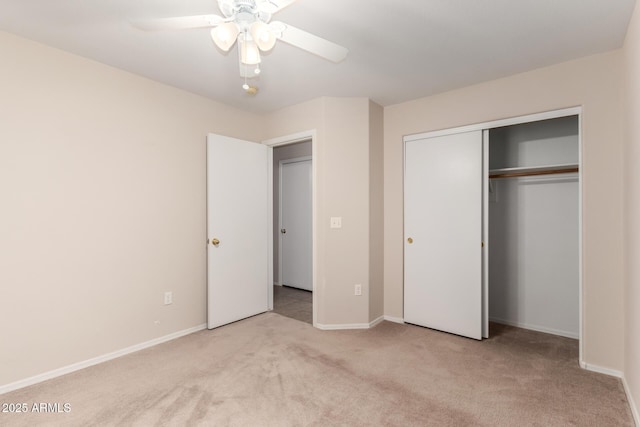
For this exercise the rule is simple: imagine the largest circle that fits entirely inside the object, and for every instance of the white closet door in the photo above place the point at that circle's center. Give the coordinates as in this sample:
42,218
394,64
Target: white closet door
443,233
295,224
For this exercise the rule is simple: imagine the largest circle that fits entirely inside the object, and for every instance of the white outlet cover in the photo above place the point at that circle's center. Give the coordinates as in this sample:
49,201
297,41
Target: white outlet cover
336,222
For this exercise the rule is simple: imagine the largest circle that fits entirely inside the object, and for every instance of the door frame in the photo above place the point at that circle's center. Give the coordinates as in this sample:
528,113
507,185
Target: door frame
280,163
553,114
308,135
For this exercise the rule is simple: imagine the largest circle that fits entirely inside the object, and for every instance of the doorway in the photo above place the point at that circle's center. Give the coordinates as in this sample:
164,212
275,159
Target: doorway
293,230
240,203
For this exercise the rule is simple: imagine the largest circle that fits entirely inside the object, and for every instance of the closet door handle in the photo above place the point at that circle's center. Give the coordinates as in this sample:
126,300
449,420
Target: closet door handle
409,240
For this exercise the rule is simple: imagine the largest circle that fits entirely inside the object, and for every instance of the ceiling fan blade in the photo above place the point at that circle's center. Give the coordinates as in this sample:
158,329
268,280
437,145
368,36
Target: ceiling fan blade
309,42
179,23
273,6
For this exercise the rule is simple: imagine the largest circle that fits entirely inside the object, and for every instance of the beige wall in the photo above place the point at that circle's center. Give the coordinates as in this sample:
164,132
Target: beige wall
376,211
593,83
342,162
102,177
632,210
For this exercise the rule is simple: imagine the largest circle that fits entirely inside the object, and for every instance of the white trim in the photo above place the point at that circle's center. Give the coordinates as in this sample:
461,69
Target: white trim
394,319
580,243
376,321
535,328
632,403
309,135
573,111
270,232
96,360
291,139
339,327
612,372
601,370
485,233
344,326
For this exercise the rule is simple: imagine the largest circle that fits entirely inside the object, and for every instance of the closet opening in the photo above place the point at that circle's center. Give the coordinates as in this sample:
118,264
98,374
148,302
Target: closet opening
534,227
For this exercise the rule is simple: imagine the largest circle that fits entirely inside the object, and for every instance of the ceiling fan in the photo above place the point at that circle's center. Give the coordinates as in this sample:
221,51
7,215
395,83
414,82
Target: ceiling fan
248,22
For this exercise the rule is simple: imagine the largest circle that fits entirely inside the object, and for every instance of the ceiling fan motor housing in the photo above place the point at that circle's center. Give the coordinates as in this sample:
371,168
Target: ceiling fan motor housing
246,11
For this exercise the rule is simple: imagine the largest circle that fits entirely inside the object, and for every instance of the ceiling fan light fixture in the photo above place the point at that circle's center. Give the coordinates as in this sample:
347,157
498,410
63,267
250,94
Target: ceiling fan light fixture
224,36
249,52
248,24
263,36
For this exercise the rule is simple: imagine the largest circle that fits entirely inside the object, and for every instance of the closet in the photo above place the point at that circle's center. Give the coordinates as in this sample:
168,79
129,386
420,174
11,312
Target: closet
533,226
492,226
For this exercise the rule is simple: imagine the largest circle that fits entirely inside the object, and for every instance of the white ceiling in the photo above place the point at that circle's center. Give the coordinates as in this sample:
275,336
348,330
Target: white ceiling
398,49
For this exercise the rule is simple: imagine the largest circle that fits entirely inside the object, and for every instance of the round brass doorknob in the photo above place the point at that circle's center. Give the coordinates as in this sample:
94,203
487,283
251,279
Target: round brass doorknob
215,242
410,240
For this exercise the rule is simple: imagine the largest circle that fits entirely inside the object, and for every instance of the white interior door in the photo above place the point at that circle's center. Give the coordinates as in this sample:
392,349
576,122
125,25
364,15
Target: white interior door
238,222
295,224
443,233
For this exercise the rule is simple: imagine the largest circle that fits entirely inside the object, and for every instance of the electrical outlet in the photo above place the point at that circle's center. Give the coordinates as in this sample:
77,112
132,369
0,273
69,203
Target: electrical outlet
168,298
358,289
336,222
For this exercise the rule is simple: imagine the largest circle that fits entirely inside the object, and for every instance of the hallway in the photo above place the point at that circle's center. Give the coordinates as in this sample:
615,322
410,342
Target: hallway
293,303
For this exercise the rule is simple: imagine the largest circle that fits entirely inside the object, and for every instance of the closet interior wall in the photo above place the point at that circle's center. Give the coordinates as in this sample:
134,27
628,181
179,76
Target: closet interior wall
534,228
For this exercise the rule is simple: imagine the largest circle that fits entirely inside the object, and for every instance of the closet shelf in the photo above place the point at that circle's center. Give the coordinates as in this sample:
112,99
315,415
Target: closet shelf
533,171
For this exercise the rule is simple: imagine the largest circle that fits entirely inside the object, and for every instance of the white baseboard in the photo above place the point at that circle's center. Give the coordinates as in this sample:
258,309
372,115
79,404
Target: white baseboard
535,328
394,319
338,327
632,403
343,326
627,391
96,360
376,321
601,370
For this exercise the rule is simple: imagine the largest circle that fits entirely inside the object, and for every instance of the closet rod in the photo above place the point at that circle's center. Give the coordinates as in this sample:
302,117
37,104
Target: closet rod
532,173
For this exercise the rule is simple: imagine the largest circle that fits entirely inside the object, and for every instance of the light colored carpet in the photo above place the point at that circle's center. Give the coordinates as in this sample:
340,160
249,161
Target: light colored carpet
270,370
294,303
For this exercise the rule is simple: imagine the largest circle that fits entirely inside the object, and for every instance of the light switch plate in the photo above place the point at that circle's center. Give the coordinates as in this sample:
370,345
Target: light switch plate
336,222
